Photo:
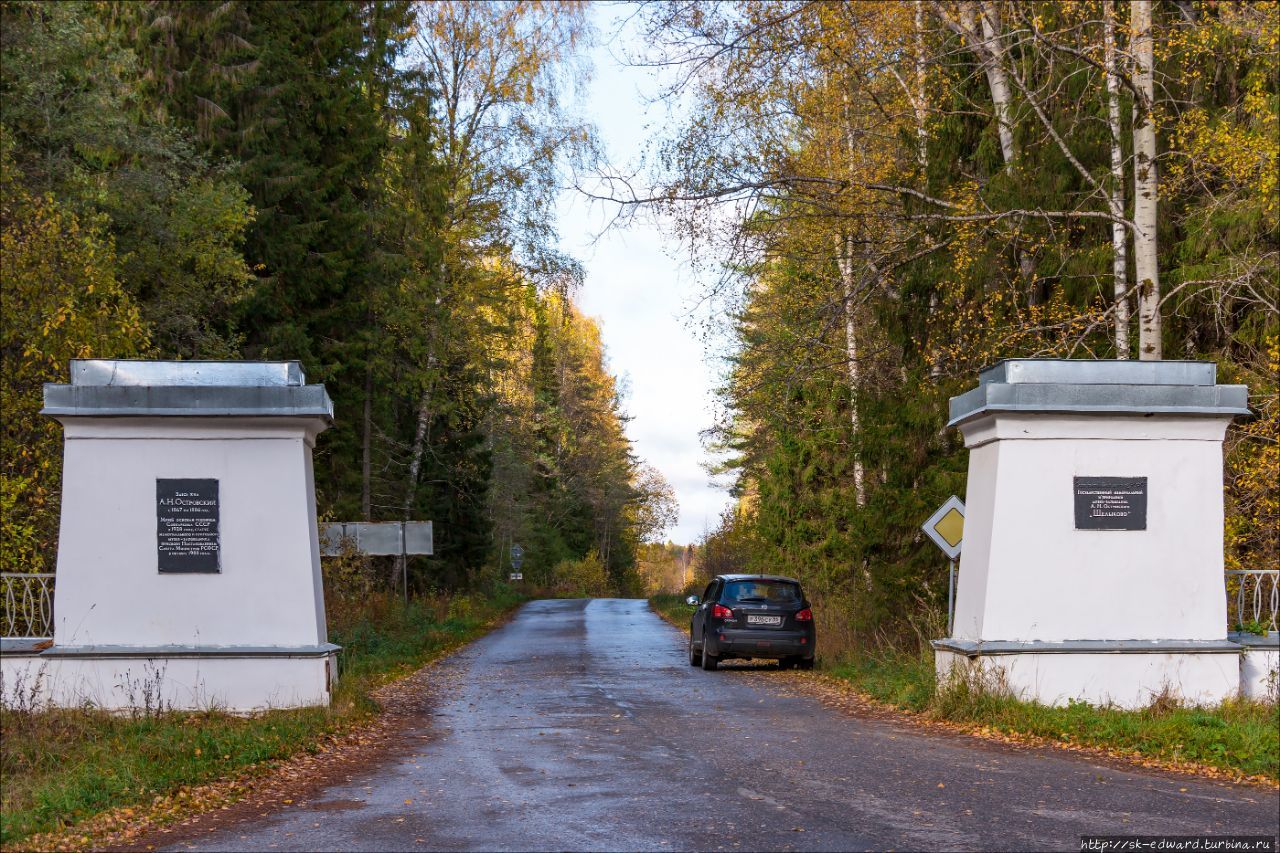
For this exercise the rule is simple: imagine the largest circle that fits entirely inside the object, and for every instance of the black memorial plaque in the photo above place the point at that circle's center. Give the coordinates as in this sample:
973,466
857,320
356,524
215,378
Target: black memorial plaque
1111,503
187,526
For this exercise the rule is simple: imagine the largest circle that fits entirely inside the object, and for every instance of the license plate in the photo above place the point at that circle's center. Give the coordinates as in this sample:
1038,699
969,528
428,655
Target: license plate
764,620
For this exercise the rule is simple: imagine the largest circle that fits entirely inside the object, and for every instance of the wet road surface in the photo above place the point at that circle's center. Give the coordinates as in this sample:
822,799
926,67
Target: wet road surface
581,726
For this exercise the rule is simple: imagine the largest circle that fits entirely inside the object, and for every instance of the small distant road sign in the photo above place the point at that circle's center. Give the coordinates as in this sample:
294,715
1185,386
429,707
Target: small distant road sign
517,556
946,527
515,576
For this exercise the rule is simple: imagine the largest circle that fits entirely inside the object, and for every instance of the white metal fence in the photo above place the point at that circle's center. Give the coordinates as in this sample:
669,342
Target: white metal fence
28,605
1253,598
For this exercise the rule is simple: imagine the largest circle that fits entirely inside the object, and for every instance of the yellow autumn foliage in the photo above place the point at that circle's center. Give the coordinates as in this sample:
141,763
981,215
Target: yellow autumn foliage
585,578
61,300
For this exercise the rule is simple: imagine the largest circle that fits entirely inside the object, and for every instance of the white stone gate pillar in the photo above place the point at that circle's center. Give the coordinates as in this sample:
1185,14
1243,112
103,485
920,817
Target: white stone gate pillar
1092,565
188,561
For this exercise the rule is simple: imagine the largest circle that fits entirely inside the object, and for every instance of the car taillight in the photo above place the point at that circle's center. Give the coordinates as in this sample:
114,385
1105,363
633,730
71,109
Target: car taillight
805,615
721,612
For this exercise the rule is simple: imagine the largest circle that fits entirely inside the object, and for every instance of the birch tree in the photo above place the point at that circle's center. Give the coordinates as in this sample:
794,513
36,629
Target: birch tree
981,21
1145,184
1119,236
499,70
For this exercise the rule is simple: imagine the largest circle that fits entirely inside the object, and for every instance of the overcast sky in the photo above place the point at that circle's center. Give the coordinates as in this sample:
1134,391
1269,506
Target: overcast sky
638,286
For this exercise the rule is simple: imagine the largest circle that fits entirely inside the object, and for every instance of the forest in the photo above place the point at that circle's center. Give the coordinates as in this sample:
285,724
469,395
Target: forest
883,197
889,196
868,201
362,185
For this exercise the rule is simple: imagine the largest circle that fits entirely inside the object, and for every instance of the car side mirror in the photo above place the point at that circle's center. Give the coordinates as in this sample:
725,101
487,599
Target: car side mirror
693,601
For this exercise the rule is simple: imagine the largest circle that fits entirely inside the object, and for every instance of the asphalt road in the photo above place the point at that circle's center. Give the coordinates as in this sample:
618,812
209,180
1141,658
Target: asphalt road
580,726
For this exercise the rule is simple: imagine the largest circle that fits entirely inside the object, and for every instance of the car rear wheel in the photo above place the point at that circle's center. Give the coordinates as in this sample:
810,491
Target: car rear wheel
708,661
788,663
805,663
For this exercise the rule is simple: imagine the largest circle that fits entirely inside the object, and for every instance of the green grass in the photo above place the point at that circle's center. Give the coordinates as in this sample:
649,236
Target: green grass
59,767
673,608
903,682
1236,737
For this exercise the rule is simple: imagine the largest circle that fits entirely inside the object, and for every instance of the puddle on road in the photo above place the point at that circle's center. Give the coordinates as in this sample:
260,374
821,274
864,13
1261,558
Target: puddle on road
339,805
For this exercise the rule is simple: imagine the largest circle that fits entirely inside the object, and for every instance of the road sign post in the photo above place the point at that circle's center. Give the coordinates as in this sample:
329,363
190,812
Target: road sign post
517,561
946,528
951,595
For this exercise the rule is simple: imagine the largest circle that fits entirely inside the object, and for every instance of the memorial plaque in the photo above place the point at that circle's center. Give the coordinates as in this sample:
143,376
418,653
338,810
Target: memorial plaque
1111,503
187,526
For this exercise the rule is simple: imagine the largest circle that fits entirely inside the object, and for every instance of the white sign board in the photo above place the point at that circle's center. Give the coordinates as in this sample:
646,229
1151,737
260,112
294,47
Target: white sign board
946,527
418,538
384,538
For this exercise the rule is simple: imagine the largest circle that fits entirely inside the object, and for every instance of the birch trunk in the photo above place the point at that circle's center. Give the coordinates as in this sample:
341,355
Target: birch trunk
1145,185
844,257
420,436
1119,236
983,23
922,132
423,427
415,458
844,260
1001,97
935,370
922,142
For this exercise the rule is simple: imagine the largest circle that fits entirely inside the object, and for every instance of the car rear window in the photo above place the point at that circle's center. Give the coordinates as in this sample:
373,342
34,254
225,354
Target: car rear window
772,592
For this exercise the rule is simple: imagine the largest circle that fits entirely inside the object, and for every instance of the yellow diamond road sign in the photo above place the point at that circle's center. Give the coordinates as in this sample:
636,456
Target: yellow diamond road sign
946,527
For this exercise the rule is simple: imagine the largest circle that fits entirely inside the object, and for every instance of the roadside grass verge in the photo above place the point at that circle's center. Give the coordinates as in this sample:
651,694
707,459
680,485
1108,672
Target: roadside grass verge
672,608
1236,738
62,766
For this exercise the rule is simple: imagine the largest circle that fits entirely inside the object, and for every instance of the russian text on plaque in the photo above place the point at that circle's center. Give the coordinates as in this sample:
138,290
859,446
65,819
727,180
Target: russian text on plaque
1111,503
187,526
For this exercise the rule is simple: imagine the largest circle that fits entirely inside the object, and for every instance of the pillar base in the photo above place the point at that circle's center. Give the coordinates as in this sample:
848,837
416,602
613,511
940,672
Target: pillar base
140,679
1260,666
1128,674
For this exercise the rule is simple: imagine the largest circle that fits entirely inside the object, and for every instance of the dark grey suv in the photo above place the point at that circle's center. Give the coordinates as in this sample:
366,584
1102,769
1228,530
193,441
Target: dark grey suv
751,616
